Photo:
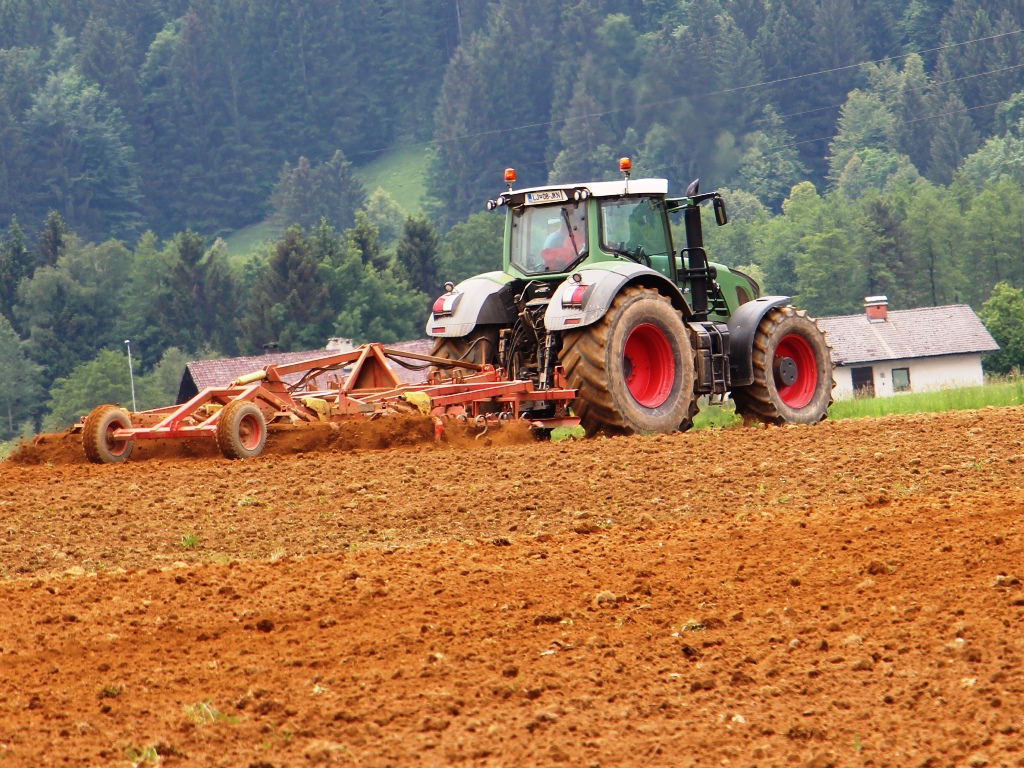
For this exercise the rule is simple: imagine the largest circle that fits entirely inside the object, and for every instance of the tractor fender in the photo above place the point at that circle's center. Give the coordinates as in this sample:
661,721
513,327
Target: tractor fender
742,327
578,304
484,299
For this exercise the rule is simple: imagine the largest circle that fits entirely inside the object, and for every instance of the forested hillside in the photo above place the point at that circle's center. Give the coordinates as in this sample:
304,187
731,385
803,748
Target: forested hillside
865,146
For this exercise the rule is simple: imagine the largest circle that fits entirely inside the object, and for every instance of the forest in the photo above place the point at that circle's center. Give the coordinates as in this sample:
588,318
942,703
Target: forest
863,147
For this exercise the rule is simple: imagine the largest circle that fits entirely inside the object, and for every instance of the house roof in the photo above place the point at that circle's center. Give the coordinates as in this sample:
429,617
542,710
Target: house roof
907,333
200,374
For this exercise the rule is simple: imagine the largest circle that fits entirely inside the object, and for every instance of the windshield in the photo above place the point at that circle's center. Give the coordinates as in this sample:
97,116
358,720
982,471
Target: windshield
634,227
548,238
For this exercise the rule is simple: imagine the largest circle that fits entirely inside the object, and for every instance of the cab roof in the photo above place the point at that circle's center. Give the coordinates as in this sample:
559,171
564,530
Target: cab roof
607,188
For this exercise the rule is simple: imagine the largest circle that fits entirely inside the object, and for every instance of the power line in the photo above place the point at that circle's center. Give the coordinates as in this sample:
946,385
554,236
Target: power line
899,122
721,92
664,102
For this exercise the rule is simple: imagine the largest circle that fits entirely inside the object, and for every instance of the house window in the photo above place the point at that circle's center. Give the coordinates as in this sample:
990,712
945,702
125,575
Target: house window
900,379
863,382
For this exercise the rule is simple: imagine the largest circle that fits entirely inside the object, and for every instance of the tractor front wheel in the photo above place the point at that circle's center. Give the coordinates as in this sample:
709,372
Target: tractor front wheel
633,369
792,367
241,430
98,435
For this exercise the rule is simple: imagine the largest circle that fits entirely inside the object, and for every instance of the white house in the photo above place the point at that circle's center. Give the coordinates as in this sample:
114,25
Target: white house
882,353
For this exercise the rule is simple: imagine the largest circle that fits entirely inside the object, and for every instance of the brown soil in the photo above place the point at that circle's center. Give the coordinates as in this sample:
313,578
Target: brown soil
846,594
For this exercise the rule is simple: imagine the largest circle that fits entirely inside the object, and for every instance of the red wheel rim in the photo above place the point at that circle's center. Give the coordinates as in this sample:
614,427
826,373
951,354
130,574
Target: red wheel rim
115,447
801,391
249,432
648,365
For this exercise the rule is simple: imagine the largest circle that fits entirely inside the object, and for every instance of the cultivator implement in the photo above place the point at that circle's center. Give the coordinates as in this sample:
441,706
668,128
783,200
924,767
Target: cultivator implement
361,386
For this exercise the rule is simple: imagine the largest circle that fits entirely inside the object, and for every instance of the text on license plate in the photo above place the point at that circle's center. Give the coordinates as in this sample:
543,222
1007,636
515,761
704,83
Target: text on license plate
546,196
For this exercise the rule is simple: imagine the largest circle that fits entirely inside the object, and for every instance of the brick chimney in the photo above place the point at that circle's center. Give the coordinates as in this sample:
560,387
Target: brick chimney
876,308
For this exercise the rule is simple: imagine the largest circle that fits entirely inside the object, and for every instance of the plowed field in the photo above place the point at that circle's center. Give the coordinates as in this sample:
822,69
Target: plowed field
840,595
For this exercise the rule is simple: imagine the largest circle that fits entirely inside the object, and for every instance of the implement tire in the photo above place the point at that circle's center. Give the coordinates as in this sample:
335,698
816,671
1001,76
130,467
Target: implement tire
241,430
633,369
97,435
792,367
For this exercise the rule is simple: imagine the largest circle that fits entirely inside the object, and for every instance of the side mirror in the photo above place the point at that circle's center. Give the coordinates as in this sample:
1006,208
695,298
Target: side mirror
721,217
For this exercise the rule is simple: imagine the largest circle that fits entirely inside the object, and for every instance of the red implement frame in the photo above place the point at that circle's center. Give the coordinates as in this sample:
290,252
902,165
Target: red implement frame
368,388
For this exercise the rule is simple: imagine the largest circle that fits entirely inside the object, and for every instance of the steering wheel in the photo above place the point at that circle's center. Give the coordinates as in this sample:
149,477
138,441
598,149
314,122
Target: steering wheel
640,257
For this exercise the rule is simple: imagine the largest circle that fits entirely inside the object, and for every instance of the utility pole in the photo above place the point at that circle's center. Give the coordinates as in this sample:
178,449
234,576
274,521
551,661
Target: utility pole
131,373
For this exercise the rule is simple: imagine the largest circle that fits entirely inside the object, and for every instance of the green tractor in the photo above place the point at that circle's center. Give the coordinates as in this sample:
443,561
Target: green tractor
594,295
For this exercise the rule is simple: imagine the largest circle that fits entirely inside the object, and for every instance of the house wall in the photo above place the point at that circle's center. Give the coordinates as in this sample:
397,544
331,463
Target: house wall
926,373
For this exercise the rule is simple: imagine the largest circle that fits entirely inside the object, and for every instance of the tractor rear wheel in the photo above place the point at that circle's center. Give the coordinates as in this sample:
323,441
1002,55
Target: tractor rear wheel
241,430
633,369
480,346
792,367
98,435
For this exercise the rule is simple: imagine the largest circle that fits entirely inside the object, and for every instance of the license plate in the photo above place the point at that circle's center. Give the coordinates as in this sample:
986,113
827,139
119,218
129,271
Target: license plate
546,196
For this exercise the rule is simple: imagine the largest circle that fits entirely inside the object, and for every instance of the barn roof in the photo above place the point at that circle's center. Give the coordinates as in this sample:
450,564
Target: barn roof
907,333
200,374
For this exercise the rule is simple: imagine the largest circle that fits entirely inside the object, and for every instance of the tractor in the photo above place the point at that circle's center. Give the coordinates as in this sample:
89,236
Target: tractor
593,296
595,320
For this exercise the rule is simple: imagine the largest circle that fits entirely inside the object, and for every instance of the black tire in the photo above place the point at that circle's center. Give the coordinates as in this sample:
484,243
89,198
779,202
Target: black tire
633,369
241,430
480,346
100,447
792,367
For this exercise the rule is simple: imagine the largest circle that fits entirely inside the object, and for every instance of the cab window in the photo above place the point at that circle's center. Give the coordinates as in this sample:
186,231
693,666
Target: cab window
635,228
548,239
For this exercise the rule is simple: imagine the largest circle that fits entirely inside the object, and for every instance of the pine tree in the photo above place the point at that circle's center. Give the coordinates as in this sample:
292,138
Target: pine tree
495,83
886,257
936,232
416,256
305,195
770,166
914,136
16,263
53,239
197,307
955,138
364,238
386,215
81,157
290,304
71,311
22,391
865,123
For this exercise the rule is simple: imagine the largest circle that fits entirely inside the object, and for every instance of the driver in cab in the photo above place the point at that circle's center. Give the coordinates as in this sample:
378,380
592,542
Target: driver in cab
560,248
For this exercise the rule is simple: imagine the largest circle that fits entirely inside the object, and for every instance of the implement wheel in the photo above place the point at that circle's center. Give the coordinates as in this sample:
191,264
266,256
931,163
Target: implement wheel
98,435
792,366
633,368
241,430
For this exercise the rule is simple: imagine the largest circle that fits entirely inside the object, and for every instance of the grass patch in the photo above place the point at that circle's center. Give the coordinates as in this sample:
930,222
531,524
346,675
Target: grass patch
721,416
567,433
204,713
402,173
190,541
110,692
7,448
998,393
139,756
241,243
